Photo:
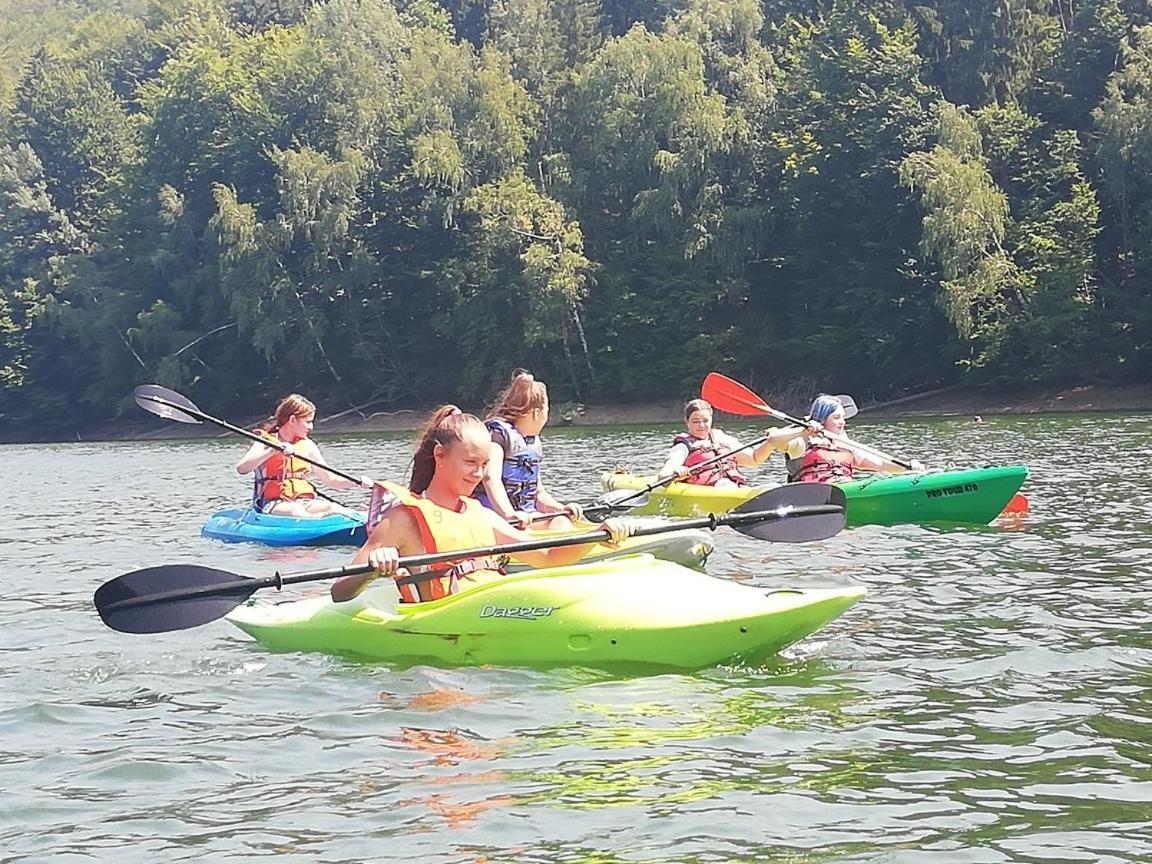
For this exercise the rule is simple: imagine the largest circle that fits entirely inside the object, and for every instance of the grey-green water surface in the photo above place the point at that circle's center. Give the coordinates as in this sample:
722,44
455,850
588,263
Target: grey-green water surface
989,700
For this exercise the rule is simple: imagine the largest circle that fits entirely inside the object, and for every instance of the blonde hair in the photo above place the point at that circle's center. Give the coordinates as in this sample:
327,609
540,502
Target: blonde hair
523,395
292,405
448,426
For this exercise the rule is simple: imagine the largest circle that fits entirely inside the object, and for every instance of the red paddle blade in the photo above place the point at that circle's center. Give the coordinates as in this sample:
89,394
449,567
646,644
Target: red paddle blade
1018,504
732,396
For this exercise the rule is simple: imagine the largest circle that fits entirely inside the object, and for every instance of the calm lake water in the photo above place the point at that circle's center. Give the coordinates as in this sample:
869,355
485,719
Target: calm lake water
989,700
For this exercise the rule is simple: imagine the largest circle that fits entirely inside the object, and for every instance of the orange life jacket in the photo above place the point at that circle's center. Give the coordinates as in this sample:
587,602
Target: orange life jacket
280,477
703,449
824,462
441,530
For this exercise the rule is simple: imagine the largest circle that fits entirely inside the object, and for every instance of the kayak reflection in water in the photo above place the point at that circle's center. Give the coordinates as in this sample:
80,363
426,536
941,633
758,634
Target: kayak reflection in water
513,485
283,483
826,458
703,442
437,513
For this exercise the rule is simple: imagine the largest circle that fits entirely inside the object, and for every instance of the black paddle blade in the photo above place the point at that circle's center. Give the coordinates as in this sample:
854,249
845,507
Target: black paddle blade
161,401
171,597
792,524
614,501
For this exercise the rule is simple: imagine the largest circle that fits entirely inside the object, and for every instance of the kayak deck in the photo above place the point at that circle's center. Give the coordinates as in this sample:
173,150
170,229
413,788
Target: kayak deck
973,496
627,613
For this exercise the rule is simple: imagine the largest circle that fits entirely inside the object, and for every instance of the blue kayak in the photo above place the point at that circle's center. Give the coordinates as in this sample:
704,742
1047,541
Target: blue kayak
236,525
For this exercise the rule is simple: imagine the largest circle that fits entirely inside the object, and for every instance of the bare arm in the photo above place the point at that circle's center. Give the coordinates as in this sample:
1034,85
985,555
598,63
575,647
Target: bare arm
256,456
777,438
307,447
543,496
674,464
615,530
494,483
397,530
866,462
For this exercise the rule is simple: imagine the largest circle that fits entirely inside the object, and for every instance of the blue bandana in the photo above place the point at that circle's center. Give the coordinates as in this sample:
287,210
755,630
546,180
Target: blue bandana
824,407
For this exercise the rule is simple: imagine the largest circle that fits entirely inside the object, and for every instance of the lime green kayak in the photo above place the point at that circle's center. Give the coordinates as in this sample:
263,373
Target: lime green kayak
626,613
975,496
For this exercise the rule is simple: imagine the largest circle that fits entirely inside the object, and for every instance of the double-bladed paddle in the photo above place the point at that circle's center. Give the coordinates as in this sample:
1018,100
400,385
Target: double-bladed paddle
733,397
178,596
173,406
643,494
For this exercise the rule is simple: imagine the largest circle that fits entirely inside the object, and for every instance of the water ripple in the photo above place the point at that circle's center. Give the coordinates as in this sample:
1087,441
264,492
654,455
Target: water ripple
988,700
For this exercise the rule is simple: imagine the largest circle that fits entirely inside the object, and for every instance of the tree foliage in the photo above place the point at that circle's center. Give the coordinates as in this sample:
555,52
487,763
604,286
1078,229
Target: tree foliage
400,200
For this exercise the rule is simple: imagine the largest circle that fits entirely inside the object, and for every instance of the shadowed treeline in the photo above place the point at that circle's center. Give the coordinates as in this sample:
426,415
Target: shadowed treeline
387,204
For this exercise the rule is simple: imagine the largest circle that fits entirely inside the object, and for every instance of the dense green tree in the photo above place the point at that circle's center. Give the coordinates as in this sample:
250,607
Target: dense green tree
400,200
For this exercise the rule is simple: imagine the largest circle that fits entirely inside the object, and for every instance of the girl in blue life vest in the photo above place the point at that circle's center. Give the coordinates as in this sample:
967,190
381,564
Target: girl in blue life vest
703,443
512,485
437,514
283,484
830,458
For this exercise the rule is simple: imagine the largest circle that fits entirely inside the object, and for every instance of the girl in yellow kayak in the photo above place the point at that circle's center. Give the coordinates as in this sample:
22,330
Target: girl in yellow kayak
704,442
825,458
512,485
437,513
283,483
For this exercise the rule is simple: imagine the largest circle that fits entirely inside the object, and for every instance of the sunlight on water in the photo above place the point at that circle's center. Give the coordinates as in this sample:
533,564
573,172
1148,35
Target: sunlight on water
987,701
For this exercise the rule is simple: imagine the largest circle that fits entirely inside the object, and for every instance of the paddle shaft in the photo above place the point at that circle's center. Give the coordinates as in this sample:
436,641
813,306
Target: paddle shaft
755,403
640,493
847,442
247,586
695,469
200,415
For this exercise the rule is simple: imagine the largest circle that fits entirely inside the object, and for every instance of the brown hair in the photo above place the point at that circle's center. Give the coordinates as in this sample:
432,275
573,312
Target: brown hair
447,426
697,405
292,405
523,395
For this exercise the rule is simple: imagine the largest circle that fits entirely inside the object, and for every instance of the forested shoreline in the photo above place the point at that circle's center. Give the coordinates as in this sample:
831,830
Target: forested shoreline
395,203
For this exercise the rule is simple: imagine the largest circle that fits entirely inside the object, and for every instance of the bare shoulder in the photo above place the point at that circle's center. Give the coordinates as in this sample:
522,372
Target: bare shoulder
308,447
398,528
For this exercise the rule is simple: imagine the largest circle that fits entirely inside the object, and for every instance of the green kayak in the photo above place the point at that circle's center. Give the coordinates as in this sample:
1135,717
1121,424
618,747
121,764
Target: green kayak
628,613
975,496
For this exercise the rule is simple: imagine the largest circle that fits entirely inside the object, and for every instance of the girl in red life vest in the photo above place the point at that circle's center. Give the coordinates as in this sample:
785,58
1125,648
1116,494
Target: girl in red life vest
702,442
438,513
831,458
283,483
512,485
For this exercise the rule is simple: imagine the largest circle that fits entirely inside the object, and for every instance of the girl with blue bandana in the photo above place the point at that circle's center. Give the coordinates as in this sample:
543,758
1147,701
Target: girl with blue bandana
829,458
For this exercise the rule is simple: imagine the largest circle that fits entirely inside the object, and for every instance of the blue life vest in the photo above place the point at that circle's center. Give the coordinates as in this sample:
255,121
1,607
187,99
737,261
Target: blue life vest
521,469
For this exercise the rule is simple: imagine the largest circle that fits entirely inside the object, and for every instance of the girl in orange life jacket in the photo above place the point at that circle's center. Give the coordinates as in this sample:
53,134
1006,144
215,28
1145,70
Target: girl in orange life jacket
512,485
282,484
823,459
438,512
703,442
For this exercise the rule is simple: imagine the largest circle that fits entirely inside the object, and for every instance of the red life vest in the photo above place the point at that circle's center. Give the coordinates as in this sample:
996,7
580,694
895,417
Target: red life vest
280,477
441,530
824,462
702,450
